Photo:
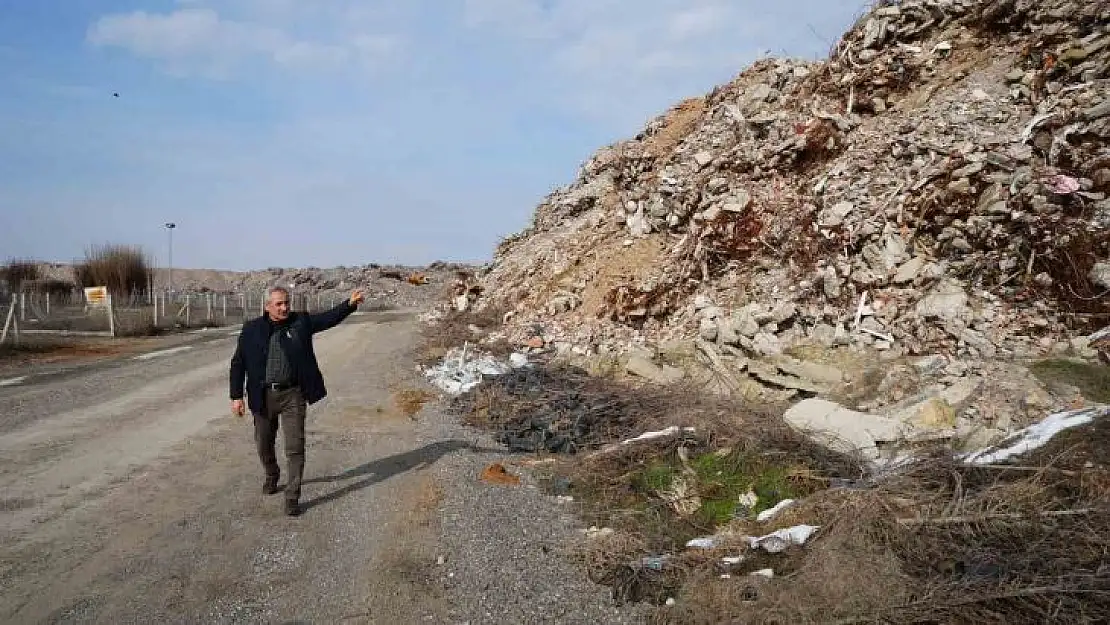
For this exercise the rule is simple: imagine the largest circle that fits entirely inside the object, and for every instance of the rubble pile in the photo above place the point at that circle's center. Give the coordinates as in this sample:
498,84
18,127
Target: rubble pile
939,184
393,285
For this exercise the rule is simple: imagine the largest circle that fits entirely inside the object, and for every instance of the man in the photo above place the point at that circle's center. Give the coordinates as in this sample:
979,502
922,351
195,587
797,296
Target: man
276,358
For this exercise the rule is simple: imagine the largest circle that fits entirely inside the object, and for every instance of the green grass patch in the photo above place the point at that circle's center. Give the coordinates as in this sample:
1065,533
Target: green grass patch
1091,380
721,480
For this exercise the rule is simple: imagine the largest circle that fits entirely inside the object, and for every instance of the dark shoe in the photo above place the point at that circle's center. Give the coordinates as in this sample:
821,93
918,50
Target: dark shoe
292,508
270,486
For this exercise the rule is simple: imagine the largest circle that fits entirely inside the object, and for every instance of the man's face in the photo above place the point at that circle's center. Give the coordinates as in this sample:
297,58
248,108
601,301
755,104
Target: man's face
278,306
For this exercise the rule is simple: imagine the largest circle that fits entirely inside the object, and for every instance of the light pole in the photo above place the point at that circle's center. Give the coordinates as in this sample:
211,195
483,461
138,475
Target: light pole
169,281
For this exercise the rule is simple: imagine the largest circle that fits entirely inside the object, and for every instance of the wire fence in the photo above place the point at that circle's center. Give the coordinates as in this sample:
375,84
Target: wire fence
146,315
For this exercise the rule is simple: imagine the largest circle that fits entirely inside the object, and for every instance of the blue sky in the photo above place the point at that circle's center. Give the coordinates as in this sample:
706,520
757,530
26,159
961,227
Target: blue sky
329,132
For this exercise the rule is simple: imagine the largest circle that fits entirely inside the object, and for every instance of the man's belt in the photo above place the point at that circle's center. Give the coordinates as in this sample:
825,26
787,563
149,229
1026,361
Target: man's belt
280,386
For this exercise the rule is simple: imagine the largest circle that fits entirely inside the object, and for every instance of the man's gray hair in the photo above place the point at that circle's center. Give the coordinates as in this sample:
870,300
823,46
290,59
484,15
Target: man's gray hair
277,289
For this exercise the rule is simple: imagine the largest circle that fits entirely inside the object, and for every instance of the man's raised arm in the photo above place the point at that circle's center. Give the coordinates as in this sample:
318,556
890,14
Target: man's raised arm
331,318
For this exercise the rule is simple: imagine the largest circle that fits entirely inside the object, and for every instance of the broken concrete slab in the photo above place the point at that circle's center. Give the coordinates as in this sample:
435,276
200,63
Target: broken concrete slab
643,367
769,374
843,429
815,372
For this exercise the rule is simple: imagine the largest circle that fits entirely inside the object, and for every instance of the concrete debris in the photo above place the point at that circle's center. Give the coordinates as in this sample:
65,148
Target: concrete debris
943,159
841,429
643,367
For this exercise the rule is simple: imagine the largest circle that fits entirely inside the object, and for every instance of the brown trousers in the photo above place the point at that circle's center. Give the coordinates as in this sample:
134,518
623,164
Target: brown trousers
285,408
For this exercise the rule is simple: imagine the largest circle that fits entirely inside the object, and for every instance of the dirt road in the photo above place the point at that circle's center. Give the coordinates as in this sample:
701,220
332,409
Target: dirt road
132,496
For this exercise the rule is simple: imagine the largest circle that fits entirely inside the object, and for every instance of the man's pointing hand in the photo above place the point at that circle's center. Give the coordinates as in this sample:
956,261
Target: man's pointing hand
356,297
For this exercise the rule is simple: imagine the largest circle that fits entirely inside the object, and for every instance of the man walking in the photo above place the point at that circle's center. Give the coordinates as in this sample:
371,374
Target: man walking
276,359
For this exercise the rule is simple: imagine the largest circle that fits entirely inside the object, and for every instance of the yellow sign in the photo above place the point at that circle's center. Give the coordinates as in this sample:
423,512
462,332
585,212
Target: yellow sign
96,296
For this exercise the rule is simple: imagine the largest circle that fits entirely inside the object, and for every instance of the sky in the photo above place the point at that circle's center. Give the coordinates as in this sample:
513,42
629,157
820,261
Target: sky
341,132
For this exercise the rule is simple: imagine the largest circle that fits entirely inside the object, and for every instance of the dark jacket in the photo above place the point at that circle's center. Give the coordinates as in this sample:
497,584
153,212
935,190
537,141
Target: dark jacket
249,360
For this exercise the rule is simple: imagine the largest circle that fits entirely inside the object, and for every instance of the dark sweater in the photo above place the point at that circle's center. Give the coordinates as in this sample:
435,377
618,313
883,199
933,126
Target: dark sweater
248,363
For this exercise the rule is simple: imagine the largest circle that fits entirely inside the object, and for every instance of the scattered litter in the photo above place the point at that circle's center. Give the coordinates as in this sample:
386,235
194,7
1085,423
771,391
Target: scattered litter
732,560
1036,435
598,532
768,573
646,436
564,499
778,541
461,371
654,563
767,514
496,474
705,542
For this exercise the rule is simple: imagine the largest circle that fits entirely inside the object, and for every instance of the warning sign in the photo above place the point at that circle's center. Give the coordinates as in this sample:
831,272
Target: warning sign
96,296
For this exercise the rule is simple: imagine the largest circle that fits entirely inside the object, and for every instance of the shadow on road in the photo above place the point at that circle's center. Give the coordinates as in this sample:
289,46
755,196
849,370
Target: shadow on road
385,468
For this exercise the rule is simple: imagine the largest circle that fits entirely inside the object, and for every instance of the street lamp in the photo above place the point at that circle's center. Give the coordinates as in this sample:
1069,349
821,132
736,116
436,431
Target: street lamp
169,281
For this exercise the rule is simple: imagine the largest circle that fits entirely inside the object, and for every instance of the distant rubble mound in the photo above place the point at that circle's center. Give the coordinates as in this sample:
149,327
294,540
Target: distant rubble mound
938,183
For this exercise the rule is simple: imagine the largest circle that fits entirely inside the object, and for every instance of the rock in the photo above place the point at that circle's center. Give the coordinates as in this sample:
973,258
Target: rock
835,215
638,365
831,285
909,270
562,304
767,344
707,329
727,333
816,372
1015,75
703,158
842,429
1100,275
930,364
767,373
1098,111
947,301
784,312
932,413
701,302
744,323
823,334
961,186
980,438
940,411
739,203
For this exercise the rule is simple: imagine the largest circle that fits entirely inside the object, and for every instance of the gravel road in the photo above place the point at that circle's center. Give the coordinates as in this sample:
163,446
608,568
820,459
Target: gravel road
131,495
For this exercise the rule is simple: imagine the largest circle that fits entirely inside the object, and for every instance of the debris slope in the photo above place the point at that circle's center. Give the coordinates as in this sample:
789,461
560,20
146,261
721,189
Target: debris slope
939,183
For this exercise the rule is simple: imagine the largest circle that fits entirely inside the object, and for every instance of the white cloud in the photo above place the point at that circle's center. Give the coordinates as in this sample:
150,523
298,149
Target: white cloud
198,39
618,60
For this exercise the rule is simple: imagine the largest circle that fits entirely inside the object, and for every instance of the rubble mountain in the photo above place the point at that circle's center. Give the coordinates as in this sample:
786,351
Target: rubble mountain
937,184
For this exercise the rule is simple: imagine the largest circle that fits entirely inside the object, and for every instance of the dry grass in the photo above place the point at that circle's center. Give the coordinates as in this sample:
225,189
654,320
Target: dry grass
454,329
124,269
938,541
17,271
941,542
410,401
